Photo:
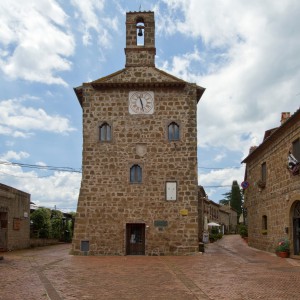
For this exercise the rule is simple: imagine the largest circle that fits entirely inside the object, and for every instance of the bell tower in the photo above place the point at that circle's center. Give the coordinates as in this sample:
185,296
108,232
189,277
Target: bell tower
139,183
140,39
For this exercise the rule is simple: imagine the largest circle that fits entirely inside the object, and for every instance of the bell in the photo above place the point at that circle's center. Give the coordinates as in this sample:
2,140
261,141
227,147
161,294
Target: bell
140,32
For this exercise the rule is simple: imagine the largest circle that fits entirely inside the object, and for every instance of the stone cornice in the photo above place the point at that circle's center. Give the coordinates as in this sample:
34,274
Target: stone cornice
111,85
140,48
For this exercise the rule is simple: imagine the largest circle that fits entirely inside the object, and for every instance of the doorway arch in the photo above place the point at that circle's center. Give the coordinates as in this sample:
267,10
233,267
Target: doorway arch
296,227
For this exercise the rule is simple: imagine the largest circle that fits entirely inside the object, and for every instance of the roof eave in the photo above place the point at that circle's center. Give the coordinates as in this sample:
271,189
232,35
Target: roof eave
269,139
78,92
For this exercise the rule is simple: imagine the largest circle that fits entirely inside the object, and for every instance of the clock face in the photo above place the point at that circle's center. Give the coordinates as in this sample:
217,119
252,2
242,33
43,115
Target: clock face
141,102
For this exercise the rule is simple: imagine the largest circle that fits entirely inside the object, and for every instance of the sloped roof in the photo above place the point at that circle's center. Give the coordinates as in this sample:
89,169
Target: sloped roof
141,77
272,134
269,132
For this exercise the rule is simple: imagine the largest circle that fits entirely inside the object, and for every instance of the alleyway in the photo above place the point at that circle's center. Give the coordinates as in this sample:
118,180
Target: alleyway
228,270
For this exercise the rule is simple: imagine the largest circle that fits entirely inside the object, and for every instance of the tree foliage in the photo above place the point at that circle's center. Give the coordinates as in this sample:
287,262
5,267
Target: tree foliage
234,198
41,222
236,201
47,223
56,224
226,199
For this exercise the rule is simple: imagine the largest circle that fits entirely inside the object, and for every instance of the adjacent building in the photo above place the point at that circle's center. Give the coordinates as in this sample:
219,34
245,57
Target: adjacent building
272,199
210,211
139,180
14,218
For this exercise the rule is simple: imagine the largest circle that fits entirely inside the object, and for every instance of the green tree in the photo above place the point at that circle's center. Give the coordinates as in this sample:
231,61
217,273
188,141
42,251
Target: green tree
41,222
226,199
56,224
234,198
236,201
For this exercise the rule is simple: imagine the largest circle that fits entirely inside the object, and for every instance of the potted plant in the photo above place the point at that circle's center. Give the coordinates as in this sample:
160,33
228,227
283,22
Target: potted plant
283,248
243,231
261,184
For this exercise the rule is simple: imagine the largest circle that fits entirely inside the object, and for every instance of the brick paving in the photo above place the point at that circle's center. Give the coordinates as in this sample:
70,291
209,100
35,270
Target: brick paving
229,269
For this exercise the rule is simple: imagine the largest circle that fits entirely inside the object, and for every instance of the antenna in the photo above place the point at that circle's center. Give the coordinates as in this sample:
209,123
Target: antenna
140,7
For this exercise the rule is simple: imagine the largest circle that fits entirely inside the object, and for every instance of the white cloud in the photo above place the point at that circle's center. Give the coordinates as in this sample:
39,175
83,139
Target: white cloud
60,188
221,177
90,13
18,120
181,65
217,182
12,155
252,66
35,39
220,157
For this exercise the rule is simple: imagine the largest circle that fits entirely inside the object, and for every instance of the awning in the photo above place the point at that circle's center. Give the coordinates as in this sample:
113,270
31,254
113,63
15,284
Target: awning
213,224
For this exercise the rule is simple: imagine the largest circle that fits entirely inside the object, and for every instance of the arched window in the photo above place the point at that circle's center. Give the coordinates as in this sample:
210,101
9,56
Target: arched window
173,132
140,30
136,174
105,132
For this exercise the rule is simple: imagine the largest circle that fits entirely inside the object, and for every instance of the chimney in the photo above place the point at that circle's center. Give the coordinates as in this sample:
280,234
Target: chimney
252,148
284,116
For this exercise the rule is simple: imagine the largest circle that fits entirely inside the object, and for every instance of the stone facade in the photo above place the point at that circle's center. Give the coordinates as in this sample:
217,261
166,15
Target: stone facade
116,215
229,219
272,199
14,218
209,211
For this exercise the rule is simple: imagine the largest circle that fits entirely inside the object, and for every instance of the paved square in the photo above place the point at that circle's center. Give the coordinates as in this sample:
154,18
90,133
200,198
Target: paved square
228,270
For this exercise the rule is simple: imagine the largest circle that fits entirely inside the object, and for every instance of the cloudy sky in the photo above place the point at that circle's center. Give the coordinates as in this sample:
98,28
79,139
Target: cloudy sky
245,53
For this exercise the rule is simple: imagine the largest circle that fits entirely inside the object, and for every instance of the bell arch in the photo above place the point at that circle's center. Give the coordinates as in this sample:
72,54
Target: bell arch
140,31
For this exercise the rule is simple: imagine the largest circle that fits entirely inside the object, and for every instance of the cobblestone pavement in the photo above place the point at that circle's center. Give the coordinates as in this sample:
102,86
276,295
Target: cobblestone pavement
229,269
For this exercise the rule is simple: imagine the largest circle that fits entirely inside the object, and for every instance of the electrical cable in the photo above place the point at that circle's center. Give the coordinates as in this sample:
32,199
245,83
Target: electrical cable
31,166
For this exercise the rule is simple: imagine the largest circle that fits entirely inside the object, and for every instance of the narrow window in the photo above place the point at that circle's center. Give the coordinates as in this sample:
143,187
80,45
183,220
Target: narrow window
264,172
136,174
173,132
105,132
264,224
296,149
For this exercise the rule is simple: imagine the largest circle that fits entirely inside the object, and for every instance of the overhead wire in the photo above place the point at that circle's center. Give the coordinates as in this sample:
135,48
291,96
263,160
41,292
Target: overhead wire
41,167
73,170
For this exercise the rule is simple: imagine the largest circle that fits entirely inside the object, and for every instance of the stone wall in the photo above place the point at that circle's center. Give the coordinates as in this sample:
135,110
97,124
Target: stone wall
282,189
108,201
15,232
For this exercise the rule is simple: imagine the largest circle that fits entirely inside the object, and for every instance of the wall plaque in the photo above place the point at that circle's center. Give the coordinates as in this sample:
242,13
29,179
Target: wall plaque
160,223
171,190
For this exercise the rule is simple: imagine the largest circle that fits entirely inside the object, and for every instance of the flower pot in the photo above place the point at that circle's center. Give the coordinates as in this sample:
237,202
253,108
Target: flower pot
282,254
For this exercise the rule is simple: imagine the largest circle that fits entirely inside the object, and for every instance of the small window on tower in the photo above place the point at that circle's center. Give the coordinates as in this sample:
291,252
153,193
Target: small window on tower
173,132
105,132
135,174
140,30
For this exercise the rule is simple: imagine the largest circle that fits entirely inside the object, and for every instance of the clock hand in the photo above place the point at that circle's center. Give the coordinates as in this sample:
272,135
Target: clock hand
142,104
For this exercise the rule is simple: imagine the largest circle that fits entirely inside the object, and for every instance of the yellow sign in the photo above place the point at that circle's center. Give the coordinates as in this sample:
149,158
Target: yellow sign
184,212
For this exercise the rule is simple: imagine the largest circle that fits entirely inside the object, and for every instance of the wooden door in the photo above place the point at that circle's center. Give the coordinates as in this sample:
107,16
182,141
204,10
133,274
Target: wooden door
296,229
3,231
135,239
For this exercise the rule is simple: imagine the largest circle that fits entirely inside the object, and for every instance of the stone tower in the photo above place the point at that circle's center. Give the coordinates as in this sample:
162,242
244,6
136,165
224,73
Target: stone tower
138,192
